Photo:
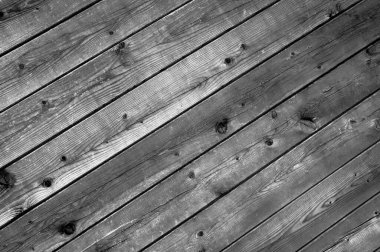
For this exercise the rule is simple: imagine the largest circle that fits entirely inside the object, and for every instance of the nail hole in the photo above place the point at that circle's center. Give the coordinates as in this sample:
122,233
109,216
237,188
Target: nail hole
319,66
44,102
200,234
228,60
176,153
68,228
21,66
47,182
243,46
237,158
110,32
1,14
292,54
121,45
353,121
376,212
125,116
191,175
202,249
222,126
269,141
274,114
63,158
242,104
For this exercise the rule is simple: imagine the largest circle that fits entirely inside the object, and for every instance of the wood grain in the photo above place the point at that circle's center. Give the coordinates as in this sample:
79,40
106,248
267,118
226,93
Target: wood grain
120,69
343,227
137,168
319,208
364,238
277,185
21,20
131,117
49,56
215,173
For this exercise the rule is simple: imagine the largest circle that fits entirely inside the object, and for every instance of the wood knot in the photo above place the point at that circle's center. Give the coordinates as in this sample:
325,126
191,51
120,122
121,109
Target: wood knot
274,114
191,175
21,66
7,180
200,234
268,141
68,228
47,182
228,61
222,126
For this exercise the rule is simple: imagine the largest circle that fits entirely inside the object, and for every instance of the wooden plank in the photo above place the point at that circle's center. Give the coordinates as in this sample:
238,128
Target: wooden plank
215,173
131,117
48,112
271,189
73,42
21,20
174,145
344,226
364,238
319,208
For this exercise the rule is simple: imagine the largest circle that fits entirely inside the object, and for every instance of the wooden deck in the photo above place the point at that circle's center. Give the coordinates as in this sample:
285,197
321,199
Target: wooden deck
189,125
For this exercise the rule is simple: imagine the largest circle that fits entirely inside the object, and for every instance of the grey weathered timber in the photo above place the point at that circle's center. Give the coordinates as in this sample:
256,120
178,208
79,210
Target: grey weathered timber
218,171
274,187
21,20
120,69
343,227
49,56
138,113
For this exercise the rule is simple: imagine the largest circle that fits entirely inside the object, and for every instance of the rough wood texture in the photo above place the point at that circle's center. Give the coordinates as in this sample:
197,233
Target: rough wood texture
364,238
317,209
49,56
340,230
232,162
120,69
20,20
117,126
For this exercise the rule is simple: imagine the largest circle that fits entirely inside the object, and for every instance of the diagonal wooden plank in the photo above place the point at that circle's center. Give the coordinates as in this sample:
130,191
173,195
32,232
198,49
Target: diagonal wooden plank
215,173
66,101
364,238
22,20
347,188
131,117
266,192
319,208
192,133
343,227
44,59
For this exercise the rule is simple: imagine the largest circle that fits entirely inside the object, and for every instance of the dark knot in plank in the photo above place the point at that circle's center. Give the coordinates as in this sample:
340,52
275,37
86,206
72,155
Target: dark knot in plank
68,228
7,180
47,182
221,127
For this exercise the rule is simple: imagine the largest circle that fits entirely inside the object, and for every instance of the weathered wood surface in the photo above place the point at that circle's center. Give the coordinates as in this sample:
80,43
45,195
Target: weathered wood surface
20,20
64,102
364,238
174,200
319,208
117,126
341,230
51,55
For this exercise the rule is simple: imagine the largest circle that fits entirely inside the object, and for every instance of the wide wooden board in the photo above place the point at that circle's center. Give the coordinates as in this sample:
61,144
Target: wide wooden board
222,168
22,20
268,191
126,176
49,56
343,227
133,116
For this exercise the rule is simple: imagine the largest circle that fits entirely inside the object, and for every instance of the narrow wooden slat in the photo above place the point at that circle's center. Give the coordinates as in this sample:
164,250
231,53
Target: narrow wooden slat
63,103
319,208
216,172
364,238
118,181
342,228
159,100
20,20
49,56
